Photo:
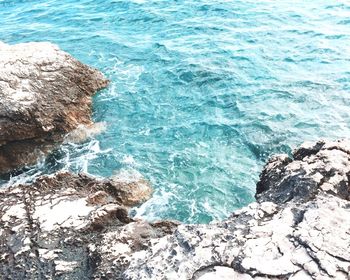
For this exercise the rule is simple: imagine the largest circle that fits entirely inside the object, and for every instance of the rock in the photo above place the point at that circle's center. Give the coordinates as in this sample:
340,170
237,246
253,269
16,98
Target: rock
132,187
69,226
307,242
220,273
317,167
63,226
44,94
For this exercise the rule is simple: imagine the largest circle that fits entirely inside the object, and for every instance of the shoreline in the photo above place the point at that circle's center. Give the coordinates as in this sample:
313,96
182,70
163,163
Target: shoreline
73,226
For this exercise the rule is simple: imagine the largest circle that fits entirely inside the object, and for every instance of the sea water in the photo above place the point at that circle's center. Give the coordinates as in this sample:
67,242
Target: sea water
201,93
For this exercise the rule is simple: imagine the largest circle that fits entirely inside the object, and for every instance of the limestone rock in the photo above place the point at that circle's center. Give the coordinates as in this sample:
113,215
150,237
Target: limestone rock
44,93
67,226
317,167
311,240
132,187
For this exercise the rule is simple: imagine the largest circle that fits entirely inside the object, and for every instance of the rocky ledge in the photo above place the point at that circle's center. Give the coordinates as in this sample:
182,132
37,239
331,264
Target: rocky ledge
77,227
44,93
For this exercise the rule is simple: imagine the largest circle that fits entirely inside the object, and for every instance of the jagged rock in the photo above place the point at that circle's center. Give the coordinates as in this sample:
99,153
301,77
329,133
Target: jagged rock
76,227
317,167
290,242
298,229
44,93
64,227
132,187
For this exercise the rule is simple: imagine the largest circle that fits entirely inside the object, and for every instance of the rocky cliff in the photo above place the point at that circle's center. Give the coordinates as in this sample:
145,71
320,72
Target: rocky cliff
44,93
77,227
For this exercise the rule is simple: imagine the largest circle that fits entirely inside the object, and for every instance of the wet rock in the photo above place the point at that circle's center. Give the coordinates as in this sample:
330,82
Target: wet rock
132,187
44,94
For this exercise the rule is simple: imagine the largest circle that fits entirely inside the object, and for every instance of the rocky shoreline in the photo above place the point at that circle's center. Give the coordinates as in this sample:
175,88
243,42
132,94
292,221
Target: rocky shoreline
68,226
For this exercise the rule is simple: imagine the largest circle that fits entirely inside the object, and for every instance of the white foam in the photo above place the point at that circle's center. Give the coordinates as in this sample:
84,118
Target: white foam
157,204
83,132
127,176
128,159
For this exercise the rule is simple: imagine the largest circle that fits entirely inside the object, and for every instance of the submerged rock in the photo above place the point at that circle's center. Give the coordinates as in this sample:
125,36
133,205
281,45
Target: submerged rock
44,94
76,227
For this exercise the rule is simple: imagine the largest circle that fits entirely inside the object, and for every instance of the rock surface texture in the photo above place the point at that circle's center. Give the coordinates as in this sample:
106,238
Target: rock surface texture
76,227
70,226
44,93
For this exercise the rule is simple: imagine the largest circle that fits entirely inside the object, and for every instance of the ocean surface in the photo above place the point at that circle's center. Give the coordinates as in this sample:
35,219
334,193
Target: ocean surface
201,93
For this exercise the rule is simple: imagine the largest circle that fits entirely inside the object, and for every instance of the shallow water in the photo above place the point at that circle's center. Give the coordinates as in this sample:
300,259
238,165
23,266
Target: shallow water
202,92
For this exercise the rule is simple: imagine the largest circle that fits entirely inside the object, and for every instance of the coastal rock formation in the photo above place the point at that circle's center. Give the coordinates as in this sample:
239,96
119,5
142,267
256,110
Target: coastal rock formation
76,227
44,93
317,167
62,226
261,241
299,228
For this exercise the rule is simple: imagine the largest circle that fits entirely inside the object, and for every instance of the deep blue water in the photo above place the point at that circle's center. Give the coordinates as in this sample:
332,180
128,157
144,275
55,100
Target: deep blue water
202,92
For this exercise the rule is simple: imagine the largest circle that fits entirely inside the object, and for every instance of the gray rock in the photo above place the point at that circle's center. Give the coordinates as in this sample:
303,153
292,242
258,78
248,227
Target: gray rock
317,167
310,242
44,94
63,226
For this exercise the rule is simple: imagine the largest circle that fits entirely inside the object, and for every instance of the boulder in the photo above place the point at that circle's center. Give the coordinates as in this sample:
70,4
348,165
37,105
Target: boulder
44,94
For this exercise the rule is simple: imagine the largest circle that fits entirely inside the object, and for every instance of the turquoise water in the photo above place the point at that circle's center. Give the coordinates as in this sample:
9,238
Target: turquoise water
202,92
